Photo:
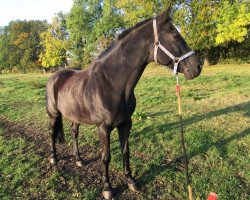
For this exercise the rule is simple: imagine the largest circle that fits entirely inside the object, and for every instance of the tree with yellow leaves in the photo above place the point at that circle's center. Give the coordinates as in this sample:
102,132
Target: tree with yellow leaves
54,51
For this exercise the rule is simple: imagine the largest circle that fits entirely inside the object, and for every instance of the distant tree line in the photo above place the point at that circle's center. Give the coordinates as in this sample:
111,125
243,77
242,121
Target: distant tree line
218,30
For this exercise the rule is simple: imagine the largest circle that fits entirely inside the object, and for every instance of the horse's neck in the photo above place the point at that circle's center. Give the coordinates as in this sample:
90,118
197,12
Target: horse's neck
137,59
128,62
124,65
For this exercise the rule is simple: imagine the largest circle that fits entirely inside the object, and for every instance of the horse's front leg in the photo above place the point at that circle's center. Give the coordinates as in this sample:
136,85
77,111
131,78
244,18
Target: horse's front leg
104,135
124,132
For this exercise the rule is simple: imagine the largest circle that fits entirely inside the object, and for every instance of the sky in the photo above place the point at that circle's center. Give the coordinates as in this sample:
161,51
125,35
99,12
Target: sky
31,9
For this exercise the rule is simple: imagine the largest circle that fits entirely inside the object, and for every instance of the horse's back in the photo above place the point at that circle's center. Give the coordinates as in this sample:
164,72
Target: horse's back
61,75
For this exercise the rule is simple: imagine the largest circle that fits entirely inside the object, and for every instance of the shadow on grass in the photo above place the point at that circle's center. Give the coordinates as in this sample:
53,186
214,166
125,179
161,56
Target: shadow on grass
245,107
176,164
196,118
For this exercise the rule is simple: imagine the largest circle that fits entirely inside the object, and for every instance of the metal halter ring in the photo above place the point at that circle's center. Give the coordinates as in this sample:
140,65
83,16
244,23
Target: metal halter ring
176,59
157,43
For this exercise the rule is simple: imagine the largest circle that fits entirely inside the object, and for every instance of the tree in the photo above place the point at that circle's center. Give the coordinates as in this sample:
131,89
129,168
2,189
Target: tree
54,50
59,26
54,43
20,44
134,11
106,27
91,25
194,18
206,24
232,21
4,50
80,23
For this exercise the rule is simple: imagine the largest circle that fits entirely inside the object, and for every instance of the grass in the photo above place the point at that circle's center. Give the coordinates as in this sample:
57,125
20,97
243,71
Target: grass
216,109
23,175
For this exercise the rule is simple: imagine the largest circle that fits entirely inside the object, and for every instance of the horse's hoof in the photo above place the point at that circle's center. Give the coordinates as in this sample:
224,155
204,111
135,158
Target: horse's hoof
133,187
52,161
79,163
107,194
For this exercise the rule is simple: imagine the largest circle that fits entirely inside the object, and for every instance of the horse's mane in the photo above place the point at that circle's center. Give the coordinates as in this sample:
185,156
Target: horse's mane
131,29
126,33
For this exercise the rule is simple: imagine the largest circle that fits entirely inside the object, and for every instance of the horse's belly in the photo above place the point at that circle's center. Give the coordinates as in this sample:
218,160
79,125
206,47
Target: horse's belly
72,110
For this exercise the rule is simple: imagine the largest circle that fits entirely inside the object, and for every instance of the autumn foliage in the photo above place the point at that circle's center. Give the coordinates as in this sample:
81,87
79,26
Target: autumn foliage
218,30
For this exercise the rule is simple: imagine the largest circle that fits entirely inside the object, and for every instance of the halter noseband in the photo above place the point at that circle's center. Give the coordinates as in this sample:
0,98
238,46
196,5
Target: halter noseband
157,44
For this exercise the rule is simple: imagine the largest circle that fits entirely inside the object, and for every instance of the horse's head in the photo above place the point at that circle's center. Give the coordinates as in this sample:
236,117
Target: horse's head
170,48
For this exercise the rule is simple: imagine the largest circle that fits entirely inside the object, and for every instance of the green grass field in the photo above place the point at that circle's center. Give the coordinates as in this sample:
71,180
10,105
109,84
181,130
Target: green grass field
216,109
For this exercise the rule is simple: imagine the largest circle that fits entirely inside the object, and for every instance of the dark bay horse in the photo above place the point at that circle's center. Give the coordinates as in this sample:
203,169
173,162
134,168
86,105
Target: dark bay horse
103,95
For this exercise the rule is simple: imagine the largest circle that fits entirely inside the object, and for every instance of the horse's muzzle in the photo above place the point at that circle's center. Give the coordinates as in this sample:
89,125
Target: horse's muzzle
193,72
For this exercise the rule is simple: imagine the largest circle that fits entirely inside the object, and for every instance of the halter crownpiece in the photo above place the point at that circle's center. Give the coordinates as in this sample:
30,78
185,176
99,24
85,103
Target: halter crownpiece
157,44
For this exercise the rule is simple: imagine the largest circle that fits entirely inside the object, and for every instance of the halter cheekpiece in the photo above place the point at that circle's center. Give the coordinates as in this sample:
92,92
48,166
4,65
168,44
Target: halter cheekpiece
157,44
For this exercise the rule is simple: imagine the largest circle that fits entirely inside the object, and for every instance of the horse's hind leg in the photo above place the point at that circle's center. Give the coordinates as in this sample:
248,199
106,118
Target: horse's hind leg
56,132
75,131
124,132
53,157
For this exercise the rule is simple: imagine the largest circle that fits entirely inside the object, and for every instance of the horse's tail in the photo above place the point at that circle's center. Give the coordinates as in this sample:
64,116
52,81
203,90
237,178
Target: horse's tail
58,131
56,125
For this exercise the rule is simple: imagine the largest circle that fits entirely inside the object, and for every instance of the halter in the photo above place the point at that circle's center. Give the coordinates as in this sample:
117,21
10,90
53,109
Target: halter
176,60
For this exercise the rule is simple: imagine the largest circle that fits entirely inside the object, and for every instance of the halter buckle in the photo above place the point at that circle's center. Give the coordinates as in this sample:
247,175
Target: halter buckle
176,59
157,43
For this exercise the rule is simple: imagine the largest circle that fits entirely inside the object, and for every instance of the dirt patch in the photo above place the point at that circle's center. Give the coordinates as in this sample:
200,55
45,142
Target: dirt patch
89,174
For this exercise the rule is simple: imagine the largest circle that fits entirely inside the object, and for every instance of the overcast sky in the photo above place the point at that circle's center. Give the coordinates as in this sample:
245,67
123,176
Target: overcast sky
31,9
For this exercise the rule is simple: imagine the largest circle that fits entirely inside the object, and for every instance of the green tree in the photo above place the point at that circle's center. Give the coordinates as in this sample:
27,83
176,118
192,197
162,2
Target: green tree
194,18
91,26
59,26
134,11
4,49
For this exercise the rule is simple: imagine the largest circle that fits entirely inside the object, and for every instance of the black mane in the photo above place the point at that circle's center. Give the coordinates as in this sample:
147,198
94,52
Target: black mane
123,35
131,29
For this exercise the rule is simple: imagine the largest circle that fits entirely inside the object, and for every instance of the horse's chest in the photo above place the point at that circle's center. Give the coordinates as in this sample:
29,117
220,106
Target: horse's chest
111,111
125,111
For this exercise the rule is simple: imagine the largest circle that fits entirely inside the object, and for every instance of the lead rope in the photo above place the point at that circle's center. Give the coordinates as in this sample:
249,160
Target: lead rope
178,89
176,60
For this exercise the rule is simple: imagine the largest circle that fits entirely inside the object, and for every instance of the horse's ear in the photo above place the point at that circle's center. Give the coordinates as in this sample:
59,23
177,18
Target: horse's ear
162,18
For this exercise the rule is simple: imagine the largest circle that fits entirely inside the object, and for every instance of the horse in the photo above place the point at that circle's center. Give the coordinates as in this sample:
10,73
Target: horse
103,94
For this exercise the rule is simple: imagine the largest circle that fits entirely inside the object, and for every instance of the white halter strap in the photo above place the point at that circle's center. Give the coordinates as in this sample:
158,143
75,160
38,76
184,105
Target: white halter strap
176,60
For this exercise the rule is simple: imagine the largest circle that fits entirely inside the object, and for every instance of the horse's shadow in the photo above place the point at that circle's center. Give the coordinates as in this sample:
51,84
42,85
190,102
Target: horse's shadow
177,164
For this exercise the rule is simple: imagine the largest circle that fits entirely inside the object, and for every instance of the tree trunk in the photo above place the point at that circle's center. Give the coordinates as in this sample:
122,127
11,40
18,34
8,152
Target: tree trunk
44,70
